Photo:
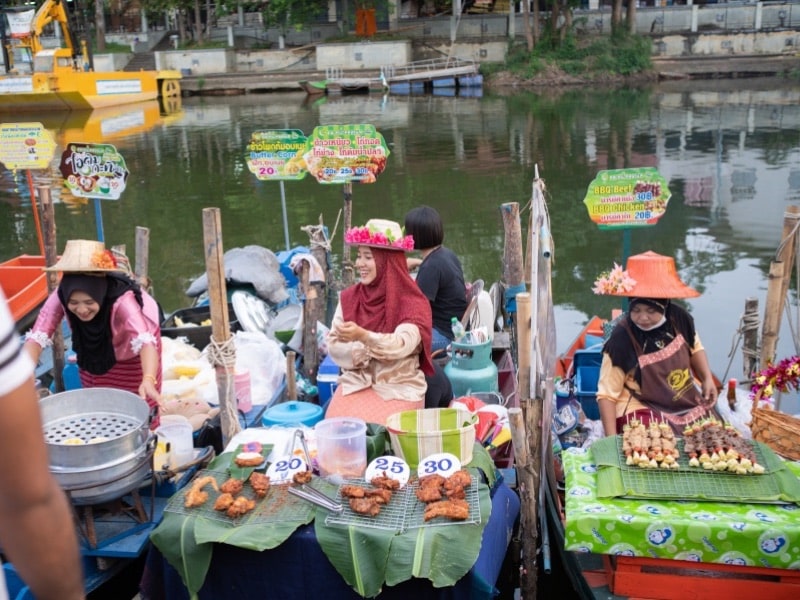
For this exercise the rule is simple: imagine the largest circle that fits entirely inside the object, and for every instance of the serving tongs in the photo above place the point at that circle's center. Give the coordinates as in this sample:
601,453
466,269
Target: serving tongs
310,494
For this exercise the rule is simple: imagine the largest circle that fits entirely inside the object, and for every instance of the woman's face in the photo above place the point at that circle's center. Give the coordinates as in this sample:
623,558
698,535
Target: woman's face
365,264
83,306
645,316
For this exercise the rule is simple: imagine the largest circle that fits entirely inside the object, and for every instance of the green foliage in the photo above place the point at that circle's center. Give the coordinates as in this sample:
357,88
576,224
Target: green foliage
292,14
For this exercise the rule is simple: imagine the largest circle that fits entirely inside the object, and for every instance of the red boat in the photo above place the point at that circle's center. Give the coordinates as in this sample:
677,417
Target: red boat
25,285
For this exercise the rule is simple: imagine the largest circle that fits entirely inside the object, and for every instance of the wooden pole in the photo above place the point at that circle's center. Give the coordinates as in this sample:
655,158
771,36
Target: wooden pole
50,258
347,263
315,303
311,298
750,337
513,274
527,269
220,324
291,382
524,346
141,270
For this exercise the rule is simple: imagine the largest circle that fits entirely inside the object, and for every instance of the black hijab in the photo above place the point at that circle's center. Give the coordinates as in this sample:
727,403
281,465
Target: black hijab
92,340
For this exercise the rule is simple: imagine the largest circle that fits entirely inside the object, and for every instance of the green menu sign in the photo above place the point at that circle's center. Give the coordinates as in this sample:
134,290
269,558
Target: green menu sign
345,153
627,198
277,154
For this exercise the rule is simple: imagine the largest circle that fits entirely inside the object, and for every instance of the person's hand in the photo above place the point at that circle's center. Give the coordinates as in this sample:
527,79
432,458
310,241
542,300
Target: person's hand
710,391
147,389
350,332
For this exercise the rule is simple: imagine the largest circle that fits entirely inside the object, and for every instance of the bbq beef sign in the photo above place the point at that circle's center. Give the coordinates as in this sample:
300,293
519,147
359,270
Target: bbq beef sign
627,198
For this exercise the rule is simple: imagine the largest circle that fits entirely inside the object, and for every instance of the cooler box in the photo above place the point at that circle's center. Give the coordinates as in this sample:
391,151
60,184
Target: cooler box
587,371
326,380
197,335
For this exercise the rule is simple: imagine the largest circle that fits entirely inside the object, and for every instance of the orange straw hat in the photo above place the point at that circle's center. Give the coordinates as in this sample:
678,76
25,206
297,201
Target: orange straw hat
652,275
86,256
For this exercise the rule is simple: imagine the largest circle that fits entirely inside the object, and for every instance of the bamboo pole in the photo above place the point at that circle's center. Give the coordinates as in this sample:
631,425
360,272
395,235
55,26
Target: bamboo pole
347,263
750,338
142,258
50,258
225,361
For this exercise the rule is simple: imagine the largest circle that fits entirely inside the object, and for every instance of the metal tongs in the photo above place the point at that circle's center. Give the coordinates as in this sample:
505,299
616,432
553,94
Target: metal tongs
307,492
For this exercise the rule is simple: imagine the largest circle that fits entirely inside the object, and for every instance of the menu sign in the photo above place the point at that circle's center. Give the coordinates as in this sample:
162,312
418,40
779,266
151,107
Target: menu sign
345,153
94,171
277,154
26,146
627,198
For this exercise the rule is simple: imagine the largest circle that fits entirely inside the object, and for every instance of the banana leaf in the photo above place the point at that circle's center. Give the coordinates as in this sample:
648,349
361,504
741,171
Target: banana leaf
175,538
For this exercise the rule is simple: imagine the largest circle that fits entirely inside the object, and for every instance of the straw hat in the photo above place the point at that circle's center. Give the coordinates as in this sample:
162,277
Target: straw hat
86,256
380,233
654,276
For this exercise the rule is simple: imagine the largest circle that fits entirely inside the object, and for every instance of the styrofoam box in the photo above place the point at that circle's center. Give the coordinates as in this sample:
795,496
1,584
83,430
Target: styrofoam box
326,380
587,372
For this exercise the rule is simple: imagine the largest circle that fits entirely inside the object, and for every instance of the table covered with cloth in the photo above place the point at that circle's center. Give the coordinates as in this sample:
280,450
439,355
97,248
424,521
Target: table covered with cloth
746,534
310,558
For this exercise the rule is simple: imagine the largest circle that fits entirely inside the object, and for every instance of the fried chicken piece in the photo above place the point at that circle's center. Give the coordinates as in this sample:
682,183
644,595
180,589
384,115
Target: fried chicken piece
302,477
456,510
365,506
232,486
224,501
429,493
352,491
260,483
382,481
240,506
195,496
459,478
380,495
455,492
434,480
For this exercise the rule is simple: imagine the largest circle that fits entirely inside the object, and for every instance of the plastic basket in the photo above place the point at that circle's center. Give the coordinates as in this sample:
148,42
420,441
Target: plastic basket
779,431
416,434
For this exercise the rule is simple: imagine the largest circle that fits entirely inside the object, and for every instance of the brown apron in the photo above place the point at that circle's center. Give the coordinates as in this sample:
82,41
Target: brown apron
668,387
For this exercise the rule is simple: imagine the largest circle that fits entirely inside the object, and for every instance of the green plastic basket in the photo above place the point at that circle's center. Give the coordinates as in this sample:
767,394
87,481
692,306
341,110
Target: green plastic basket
416,434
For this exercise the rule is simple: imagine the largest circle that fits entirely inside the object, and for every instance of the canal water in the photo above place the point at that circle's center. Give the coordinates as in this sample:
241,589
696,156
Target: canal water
729,151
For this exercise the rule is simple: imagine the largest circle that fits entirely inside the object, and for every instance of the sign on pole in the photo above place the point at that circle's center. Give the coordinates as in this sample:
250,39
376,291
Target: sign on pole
627,198
26,146
345,154
94,171
277,154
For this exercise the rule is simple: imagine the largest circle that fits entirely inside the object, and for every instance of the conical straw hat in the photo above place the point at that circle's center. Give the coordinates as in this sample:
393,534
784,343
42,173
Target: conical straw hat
85,256
656,277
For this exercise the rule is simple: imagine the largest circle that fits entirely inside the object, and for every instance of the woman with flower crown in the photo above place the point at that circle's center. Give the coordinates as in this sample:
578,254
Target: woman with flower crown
653,355
115,324
381,332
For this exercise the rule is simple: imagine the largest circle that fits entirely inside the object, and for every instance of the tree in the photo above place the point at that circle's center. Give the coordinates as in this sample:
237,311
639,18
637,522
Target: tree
100,25
292,14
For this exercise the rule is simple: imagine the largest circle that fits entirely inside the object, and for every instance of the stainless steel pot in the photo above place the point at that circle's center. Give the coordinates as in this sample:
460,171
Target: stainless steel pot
97,440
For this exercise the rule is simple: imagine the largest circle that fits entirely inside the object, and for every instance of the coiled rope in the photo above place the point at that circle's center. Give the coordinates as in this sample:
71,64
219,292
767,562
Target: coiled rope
224,355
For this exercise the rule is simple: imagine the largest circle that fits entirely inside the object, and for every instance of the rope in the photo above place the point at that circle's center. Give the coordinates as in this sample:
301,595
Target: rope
747,322
312,231
224,355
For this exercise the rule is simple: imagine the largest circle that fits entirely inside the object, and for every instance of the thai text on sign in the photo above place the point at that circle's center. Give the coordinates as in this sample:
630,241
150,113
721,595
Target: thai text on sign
94,171
345,153
277,154
26,146
627,198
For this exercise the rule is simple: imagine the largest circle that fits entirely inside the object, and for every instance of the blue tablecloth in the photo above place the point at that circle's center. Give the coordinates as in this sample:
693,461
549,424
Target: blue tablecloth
299,568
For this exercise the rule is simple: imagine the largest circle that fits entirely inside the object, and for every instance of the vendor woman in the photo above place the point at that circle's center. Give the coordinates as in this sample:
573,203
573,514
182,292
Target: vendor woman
653,360
115,327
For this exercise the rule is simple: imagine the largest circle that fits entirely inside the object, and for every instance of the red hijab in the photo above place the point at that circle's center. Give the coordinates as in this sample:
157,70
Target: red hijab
391,299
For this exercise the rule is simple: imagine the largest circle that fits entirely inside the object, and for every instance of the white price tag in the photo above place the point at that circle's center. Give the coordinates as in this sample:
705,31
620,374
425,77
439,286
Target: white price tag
282,470
444,464
388,466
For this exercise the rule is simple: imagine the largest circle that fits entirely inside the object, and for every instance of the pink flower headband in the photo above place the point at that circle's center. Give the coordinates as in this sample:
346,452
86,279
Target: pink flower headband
370,236
615,281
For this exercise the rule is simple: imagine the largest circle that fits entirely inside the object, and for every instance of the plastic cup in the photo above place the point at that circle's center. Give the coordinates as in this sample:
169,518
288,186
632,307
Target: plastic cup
177,431
341,448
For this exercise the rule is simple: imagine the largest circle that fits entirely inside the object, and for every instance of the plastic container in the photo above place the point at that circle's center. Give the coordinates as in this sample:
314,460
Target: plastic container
242,390
341,447
177,432
416,434
327,377
292,413
586,391
471,369
197,335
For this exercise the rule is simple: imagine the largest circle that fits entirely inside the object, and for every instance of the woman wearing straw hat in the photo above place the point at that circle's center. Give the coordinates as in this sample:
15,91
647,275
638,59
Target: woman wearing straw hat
115,326
654,354
381,332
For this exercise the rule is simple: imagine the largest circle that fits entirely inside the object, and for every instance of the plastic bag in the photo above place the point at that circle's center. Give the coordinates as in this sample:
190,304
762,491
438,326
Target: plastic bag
264,359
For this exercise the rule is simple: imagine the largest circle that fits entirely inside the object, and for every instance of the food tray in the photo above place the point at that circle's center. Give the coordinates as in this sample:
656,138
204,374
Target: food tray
404,511
277,506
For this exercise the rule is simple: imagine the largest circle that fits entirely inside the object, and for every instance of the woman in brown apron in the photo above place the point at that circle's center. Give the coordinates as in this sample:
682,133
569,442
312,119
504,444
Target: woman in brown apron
654,359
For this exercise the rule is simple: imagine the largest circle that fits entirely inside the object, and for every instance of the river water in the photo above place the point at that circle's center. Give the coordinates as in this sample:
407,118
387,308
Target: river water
729,150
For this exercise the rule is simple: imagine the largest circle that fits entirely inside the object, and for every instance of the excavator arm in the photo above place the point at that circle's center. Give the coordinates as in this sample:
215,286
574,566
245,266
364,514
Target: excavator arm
52,11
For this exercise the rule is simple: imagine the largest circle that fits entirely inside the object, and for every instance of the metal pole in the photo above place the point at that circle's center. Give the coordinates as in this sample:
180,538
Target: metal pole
285,218
98,217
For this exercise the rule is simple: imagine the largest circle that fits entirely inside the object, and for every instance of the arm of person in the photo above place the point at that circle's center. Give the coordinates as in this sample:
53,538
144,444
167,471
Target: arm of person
610,391
702,370
608,415
50,316
150,368
346,352
36,523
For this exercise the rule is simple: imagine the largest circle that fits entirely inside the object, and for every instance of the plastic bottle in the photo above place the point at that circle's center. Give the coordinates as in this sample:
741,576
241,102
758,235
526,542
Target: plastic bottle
732,393
457,329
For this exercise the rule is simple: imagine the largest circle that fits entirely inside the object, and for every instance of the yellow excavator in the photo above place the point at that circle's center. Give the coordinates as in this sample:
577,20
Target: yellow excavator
62,78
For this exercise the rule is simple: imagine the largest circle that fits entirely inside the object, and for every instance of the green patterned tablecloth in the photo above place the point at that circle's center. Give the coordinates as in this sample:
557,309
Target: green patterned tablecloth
766,535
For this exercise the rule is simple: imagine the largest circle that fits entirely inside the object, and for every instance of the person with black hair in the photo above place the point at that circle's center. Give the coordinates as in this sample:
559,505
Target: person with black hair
439,275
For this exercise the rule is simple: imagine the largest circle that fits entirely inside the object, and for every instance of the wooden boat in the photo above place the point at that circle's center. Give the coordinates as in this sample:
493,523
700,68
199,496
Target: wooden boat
25,285
59,79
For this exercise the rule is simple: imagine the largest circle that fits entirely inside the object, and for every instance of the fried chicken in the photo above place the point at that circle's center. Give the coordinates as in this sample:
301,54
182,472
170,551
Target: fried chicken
429,493
195,496
459,478
455,493
232,486
302,477
434,480
382,481
240,506
365,506
260,483
352,491
380,495
456,510
223,502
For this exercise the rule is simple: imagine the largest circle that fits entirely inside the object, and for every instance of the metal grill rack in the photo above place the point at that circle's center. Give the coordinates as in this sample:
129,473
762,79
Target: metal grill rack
88,427
416,509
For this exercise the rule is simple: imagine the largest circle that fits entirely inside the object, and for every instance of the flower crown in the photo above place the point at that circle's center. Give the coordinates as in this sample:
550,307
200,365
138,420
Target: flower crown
373,237
104,259
783,377
615,281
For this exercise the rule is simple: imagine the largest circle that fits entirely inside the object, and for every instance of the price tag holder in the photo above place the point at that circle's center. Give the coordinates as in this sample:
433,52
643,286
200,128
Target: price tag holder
444,464
389,466
282,470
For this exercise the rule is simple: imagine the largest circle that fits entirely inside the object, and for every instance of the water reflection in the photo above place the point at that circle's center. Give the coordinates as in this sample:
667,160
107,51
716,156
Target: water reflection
728,149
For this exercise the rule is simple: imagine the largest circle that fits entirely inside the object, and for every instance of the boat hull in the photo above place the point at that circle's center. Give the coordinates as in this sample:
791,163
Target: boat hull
24,284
